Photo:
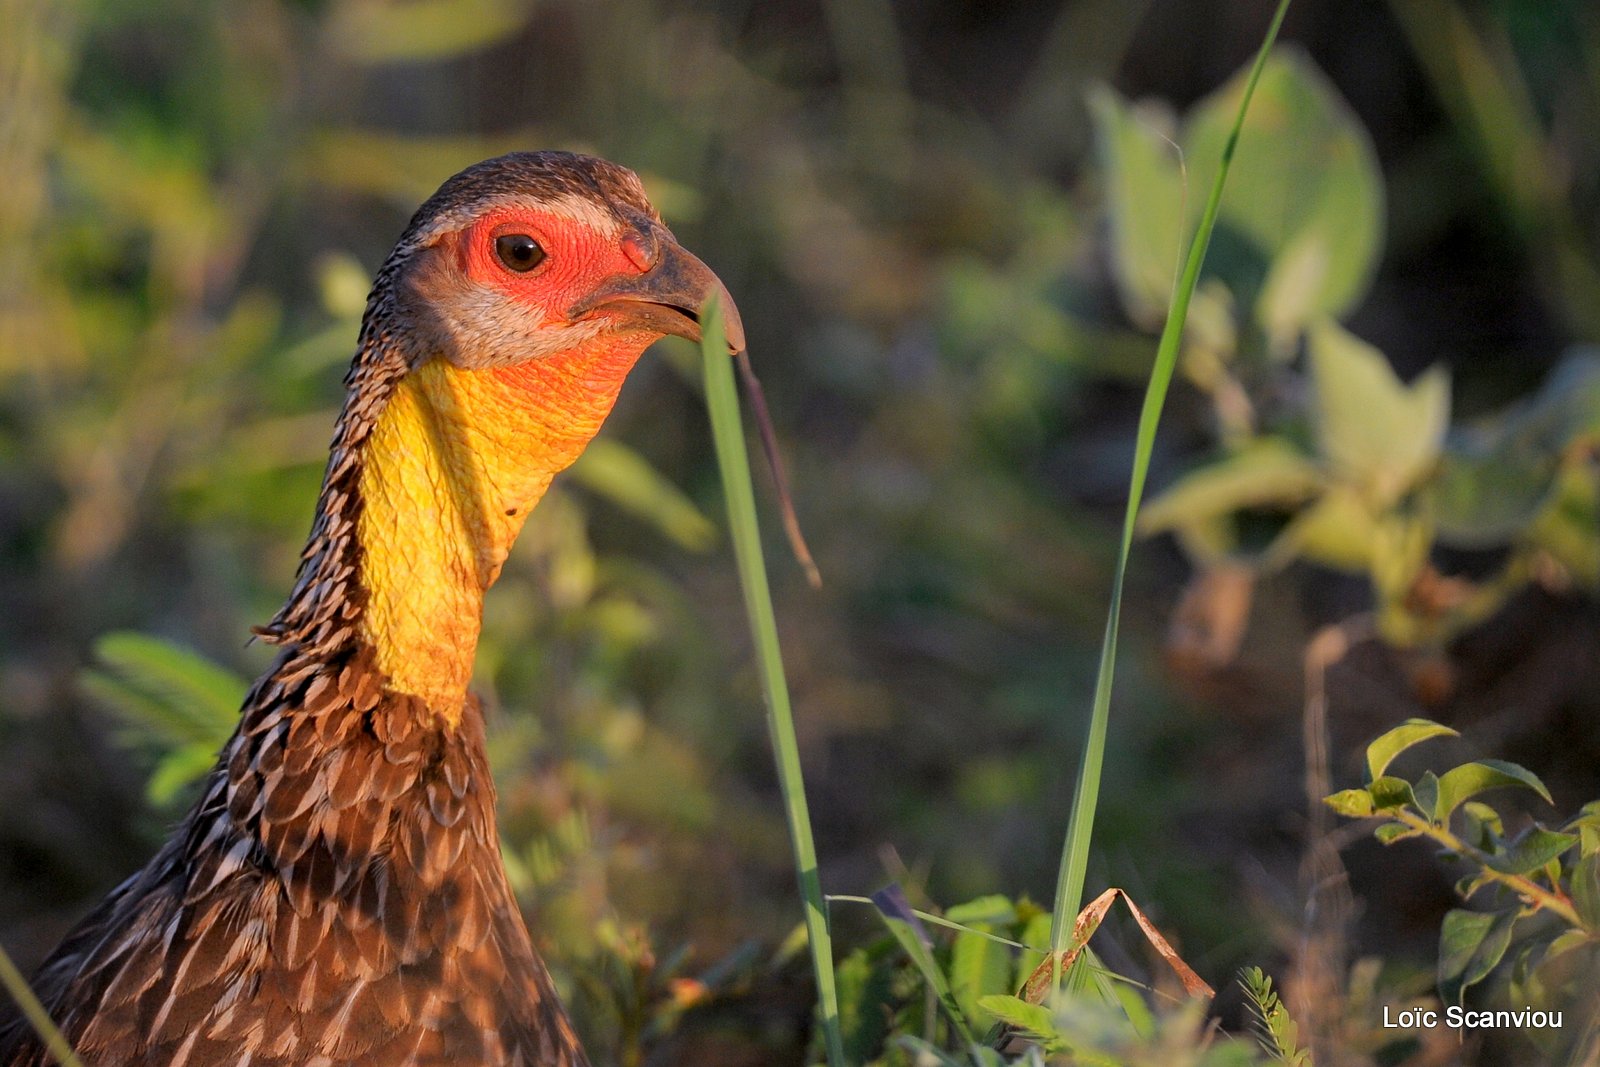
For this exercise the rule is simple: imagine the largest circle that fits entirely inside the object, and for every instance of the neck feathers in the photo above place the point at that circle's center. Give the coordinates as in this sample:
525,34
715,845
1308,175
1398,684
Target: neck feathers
432,473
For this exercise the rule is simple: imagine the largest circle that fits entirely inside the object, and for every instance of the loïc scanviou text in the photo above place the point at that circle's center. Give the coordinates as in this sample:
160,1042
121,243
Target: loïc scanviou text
1459,1018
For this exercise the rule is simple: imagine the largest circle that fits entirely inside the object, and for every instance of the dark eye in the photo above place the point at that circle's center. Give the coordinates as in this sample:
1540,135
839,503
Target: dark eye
518,252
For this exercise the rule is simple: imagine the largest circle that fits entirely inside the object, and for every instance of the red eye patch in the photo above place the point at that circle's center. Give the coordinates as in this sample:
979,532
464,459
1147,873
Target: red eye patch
577,258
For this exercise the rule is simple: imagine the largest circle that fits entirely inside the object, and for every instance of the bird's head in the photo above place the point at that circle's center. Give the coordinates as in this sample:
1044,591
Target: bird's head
537,253
496,339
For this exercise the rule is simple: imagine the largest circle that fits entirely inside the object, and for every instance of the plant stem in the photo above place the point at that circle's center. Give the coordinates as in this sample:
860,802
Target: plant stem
1075,850
727,430
1522,885
35,1013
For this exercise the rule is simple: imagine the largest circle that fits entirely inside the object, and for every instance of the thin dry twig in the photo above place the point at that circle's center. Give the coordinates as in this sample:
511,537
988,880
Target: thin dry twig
1317,982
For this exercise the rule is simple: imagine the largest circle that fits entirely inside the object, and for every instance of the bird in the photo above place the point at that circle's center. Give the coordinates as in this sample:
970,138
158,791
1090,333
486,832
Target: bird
336,894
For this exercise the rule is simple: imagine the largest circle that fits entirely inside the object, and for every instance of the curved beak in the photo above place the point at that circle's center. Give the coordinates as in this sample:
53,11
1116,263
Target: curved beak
667,298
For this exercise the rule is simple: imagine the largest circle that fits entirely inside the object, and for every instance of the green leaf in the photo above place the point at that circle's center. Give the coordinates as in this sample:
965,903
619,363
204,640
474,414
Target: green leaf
1499,475
995,908
1586,890
1586,824
1389,793
1355,803
618,473
1036,931
1338,530
865,994
1383,751
1277,1030
1481,825
1566,942
1144,192
1532,850
183,703
907,929
1390,832
176,770
1034,1019
1308,200
1462,783
1426,790
425,29
1265,471
1471,943
203,695
1374,431
978,967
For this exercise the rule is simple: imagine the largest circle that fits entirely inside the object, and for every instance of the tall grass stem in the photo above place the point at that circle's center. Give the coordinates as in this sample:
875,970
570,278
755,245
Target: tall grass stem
727,430
1080,827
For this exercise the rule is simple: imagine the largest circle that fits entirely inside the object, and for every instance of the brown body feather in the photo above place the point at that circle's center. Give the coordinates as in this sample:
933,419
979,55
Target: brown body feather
337,894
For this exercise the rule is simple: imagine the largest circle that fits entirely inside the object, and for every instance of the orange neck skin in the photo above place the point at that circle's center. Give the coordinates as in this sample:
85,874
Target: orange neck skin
455,463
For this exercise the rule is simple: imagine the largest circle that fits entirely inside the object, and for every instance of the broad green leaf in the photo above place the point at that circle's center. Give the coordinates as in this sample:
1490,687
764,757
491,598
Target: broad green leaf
621,475
1338,530
1307,200
1033,1018
1374,431
995,908
1265,471
1533,850
1355,803
1390,794
1468,780
1383,751
1144,191
978,967
1470,944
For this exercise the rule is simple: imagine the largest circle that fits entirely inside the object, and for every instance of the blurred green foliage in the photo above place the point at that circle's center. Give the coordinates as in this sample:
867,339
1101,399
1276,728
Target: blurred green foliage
1351,466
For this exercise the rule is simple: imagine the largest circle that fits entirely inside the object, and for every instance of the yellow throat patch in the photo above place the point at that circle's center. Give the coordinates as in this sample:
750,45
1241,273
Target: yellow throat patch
455,463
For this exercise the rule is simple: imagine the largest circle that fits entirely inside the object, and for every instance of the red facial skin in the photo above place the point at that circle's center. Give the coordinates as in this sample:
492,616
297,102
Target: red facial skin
578,259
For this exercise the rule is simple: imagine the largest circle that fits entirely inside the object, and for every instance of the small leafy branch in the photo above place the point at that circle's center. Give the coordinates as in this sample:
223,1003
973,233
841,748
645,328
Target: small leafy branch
1278,1033
1545,883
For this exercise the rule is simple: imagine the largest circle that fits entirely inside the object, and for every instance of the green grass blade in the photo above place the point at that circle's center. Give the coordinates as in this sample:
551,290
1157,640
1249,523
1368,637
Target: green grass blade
727,430
898,916
1075,851
34,1012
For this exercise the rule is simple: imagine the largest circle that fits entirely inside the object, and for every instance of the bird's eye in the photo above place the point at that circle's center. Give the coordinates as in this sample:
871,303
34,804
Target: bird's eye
518,252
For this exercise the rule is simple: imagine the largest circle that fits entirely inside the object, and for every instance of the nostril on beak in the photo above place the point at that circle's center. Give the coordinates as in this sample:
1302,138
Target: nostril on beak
641,251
